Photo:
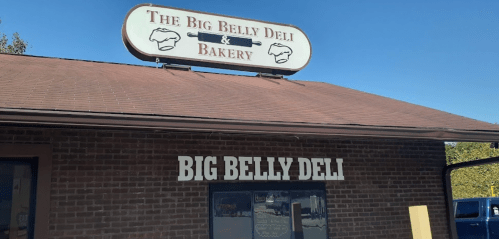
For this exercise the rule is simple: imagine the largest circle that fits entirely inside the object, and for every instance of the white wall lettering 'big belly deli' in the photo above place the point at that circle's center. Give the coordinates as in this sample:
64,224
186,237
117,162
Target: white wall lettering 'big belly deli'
205,168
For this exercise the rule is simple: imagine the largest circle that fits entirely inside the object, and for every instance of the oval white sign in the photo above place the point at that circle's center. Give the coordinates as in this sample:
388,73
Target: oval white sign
203,39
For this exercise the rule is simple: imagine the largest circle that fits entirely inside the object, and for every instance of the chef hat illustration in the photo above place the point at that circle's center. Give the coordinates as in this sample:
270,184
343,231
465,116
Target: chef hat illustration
166,39
280,52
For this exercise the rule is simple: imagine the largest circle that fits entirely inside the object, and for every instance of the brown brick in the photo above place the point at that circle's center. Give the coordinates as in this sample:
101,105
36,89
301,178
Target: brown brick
123,184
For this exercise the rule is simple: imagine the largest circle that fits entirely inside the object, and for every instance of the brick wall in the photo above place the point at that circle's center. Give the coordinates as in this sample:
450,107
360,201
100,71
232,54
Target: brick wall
123,184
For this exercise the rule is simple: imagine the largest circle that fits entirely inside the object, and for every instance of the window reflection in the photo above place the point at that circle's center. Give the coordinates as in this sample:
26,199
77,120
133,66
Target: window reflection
232,217
313,213
495,210
264,211
272,214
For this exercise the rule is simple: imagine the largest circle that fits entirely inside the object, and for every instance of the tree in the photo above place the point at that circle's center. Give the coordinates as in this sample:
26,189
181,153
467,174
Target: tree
473,181
18,45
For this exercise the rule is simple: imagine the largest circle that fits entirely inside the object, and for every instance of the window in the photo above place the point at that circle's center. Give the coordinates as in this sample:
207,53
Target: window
494,210
467,209
268,210
17,197
232,214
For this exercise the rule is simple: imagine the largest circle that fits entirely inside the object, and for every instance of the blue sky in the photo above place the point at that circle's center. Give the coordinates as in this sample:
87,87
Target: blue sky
439,54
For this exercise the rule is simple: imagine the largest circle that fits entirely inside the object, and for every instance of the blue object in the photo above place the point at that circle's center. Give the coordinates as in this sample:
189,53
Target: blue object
477,218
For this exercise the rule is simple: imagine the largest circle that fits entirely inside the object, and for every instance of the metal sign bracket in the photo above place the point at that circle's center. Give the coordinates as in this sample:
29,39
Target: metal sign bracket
176,67
274,76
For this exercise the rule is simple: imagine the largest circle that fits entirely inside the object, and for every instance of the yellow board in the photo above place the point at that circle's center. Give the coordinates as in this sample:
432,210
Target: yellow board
420,222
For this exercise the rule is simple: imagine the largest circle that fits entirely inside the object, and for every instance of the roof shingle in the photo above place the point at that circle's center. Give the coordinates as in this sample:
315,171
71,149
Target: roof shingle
28,82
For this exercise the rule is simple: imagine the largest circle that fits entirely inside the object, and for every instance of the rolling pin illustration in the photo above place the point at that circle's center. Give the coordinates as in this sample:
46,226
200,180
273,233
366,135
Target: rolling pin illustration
223,39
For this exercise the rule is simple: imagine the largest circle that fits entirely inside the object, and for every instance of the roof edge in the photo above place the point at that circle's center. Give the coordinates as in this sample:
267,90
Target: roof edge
116,121
249,73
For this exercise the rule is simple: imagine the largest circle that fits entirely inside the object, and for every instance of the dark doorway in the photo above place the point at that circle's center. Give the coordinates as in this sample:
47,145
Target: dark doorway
17,197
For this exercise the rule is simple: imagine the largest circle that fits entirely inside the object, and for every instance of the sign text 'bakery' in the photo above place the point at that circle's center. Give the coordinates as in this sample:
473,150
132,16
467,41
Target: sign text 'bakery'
238,168
194,38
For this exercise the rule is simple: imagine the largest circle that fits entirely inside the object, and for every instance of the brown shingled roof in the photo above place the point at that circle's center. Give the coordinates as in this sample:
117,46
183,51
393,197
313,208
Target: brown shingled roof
77,89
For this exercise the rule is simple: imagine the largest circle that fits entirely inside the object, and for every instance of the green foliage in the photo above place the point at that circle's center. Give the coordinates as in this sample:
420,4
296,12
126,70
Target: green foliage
474,181
18,45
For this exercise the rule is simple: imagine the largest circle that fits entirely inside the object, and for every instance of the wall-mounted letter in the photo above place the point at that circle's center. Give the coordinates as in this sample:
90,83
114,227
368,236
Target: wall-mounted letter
207,161
231,172
185,172
305,174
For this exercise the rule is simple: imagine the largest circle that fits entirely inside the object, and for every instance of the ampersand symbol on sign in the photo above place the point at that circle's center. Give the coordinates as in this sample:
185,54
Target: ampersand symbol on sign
225,40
